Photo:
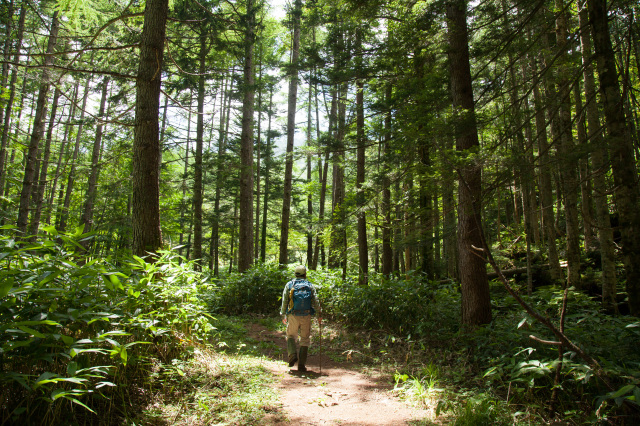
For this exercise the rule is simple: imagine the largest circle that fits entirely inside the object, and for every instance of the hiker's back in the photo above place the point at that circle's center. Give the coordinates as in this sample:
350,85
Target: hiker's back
301,294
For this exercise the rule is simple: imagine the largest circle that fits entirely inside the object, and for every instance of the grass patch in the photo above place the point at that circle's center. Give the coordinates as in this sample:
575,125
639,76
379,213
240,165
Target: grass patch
226,383
212,388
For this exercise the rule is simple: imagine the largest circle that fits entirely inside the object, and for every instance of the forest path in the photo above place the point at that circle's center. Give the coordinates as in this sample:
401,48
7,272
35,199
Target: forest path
337,394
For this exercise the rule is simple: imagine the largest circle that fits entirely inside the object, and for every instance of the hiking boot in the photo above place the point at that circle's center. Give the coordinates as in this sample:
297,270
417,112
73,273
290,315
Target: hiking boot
291,350
303,358
293,358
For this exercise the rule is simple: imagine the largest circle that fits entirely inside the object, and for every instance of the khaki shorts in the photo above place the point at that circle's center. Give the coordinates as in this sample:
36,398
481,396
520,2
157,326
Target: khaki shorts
301,323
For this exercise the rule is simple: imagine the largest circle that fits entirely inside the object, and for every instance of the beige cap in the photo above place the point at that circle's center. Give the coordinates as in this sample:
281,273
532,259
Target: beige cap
301,271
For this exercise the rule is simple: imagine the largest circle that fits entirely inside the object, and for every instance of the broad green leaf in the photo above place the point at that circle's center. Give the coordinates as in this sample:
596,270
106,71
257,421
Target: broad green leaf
6,285
76,351
114,333
31,331
623,391
74,400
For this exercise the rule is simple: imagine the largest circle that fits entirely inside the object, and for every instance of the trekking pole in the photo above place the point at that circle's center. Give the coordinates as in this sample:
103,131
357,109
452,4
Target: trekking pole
320,325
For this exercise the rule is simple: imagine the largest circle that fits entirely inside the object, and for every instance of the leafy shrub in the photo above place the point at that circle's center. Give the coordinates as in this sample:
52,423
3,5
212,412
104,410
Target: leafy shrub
70,327
256,291
480,410
410,306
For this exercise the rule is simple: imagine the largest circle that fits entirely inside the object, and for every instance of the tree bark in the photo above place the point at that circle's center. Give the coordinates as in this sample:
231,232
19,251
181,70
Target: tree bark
38,130
92,185
449,212
147,233
600,165
9,106
197,165
267,163
476,303
546,193
63,154
622,155
387,250
220,174
584,171
338,248
309,195
363,248
256,242
283,258
184,204
44,167
64,212
566,150
245,237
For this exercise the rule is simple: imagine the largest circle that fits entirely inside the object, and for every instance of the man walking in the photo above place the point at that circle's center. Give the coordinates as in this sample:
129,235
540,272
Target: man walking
299,303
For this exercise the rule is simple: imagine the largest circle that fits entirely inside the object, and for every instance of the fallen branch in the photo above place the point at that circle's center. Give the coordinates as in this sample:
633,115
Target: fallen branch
563,339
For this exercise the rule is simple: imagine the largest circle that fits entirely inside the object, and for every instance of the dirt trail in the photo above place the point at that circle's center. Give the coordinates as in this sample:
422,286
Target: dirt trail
339,395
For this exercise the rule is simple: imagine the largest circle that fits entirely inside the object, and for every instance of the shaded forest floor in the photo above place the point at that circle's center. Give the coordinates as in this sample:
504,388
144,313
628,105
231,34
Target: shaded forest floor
355,377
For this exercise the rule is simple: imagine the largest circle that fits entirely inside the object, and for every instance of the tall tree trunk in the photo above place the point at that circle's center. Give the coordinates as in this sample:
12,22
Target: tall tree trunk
245,237
622,156
524,167
426,213
584,170
220,174
197,166
566,148
256,242
185,174
6,50
7,184
449,221
64,208
407,225
476,303
309,195
162,129
323,171
147,234
600,165
40,187
363,247
63,154
283,258
12,85
92,184
338,248
546,192
534,221
233,232
267,164
38,129
387,250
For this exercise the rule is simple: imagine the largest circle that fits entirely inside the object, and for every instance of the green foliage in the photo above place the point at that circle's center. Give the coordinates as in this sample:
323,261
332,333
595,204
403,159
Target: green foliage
480,410
411,306
423,388
226,384
500,358
256,291
70,327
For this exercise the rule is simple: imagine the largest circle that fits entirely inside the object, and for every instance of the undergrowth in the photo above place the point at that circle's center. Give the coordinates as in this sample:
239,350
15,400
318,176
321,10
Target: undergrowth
497,373
84,341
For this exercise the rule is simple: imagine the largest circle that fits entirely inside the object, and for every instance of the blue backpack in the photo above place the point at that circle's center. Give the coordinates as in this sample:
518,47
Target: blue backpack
301,298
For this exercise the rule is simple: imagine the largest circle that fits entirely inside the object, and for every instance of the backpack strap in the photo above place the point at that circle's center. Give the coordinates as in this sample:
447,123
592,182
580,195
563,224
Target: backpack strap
291,284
